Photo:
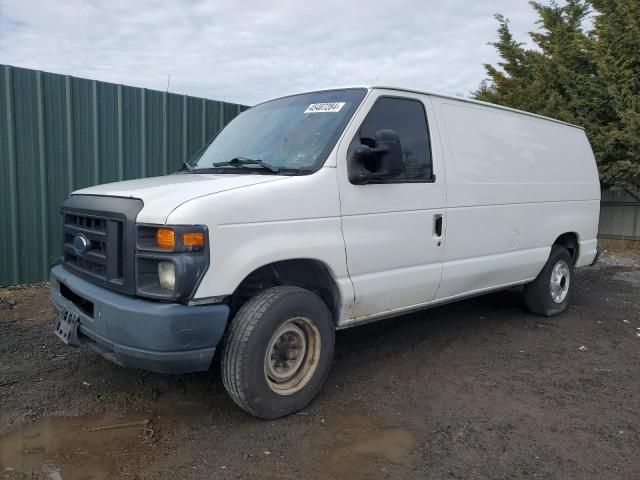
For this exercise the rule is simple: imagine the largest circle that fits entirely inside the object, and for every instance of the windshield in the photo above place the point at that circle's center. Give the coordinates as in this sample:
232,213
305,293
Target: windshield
291,135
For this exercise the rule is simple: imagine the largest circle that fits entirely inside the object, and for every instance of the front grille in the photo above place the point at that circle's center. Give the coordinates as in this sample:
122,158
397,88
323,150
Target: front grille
102,259
108,227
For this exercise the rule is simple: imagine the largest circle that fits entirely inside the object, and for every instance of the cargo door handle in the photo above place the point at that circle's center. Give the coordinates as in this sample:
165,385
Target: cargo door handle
437,226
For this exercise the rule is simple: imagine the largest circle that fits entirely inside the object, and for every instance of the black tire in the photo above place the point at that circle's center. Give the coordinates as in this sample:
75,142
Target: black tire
252,332
538,294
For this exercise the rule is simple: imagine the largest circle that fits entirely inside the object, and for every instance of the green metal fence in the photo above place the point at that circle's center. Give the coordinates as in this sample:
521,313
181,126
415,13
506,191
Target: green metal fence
620,215
59,133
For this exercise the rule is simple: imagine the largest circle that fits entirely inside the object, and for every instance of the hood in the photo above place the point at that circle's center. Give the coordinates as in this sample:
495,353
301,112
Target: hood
161,195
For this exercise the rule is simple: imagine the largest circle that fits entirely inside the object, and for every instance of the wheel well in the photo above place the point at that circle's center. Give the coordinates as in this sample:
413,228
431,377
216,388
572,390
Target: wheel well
569,241
310,274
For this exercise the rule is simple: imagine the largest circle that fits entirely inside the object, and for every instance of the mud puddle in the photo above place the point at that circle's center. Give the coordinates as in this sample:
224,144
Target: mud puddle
361,440
364,436
393,445
74,448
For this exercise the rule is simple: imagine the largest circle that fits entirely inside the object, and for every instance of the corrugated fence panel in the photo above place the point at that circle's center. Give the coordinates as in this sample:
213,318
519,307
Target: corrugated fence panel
60,133
620,215
86,167
618,220
8,199
131,133
58,155
194,126
175,153
32,228
213,118
108,133
154,111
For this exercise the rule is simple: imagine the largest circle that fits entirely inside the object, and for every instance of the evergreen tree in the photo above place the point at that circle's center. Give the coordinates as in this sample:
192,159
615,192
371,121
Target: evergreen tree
617,34
564,77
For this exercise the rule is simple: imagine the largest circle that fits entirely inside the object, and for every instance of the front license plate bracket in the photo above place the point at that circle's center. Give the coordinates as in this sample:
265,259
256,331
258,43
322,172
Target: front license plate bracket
67,327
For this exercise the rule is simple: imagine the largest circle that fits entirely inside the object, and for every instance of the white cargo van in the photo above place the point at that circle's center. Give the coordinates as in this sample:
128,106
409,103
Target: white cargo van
321,211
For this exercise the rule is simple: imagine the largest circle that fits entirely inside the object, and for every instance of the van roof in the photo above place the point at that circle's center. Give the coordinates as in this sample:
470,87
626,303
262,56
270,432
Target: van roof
441,95
470,100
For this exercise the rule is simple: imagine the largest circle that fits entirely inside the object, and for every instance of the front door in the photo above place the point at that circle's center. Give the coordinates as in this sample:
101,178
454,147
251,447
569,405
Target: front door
394,228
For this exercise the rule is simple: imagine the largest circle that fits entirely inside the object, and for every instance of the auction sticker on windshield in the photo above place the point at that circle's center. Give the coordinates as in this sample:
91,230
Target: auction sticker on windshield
331,107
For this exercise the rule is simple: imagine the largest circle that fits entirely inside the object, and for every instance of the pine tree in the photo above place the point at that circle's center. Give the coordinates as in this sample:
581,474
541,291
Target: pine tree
617,34
590,78
509,83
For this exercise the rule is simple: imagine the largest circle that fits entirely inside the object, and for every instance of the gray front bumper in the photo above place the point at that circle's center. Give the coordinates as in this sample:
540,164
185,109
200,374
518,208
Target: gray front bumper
161,337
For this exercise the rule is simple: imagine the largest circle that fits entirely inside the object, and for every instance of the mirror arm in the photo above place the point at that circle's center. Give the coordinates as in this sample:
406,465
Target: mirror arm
360,178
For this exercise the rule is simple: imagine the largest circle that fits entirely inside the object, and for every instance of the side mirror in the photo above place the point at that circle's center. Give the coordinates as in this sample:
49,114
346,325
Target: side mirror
383,161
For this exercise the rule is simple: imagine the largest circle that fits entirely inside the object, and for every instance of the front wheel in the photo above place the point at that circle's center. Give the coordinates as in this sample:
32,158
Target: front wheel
549,293
278,352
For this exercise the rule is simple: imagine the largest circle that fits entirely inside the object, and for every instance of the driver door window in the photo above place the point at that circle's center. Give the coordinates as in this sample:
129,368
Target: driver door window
408,119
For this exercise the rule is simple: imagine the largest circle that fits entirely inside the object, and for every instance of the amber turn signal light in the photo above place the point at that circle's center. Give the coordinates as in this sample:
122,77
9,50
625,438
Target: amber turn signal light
166,238
193,239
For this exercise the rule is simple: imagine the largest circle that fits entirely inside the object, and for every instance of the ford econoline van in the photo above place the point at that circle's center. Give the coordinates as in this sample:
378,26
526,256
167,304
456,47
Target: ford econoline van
321,211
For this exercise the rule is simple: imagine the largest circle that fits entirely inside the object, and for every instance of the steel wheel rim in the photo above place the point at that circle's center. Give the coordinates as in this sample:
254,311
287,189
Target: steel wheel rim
560,280
292,355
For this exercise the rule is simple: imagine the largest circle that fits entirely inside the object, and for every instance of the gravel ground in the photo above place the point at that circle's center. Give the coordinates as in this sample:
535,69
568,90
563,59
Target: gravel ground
475,389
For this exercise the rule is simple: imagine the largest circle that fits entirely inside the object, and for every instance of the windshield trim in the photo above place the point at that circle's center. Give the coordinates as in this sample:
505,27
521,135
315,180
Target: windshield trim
334,140
323,90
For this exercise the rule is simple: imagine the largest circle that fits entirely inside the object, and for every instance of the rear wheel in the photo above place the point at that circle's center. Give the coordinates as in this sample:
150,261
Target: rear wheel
278,351
549,293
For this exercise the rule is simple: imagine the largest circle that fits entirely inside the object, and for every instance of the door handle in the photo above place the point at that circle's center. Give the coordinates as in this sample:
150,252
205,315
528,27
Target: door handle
437,226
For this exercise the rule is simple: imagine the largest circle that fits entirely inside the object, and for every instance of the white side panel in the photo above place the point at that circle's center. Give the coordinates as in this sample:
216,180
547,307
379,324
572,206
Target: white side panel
499,157
514,184
488,246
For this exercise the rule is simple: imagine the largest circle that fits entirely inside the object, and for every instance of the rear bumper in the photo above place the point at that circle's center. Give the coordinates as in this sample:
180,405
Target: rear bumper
161,337
597,257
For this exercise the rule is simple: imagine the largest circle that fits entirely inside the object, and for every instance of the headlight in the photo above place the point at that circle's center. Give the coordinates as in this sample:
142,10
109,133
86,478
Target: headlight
170,260
167,275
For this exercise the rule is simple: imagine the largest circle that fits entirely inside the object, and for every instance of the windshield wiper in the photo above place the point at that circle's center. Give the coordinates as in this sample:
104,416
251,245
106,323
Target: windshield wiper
241,161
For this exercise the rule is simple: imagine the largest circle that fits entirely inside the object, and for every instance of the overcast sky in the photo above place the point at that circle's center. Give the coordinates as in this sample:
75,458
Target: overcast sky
249,51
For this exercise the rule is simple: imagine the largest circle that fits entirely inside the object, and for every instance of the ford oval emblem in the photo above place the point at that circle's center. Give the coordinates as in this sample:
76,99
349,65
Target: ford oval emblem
81,244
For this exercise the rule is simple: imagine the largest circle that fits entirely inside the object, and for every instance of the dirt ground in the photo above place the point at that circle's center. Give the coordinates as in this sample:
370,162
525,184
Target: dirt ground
476,389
